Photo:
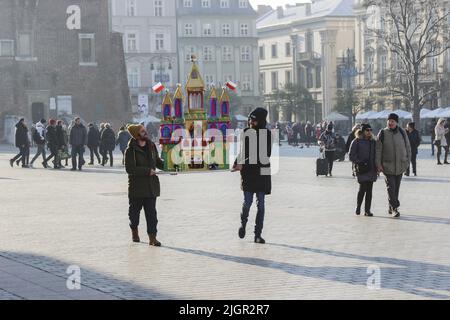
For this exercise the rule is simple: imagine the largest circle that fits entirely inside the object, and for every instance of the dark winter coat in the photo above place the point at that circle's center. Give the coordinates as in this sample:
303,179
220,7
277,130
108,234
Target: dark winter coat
108,140
414,141
122,140
78,135
60,137
138,164
93,140
364,151
52,140
350,139
21,135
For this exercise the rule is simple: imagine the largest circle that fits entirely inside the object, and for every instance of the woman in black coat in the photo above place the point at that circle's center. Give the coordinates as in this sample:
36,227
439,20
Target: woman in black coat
362,154
108,144
93,142
254,164
23,143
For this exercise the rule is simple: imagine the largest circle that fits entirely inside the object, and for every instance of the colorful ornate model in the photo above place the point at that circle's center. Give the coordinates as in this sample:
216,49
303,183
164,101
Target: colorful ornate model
193,138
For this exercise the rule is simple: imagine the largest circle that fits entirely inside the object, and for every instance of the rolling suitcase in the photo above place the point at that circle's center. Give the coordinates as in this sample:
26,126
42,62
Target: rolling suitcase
322,166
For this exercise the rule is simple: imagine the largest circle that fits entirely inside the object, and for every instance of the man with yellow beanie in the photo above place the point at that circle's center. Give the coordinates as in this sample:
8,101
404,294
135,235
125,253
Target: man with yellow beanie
141,161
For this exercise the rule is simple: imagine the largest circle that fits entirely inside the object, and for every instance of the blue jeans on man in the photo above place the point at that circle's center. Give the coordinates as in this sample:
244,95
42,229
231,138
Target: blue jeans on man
260,203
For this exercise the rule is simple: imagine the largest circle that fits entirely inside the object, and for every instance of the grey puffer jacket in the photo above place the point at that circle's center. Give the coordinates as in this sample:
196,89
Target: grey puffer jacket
393,151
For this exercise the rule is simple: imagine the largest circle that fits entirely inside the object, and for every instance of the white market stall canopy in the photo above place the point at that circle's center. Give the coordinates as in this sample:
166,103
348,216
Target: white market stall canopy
146,120
240,117
436,113
335,116
365,115
402,114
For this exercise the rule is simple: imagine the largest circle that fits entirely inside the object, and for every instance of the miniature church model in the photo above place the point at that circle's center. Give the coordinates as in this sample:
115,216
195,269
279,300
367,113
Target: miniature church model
189,133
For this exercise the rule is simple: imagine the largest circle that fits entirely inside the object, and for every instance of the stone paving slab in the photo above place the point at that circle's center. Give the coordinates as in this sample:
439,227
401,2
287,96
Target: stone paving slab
317,248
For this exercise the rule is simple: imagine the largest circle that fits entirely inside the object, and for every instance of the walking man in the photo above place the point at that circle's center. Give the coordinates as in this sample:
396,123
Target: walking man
78,139
414,142
393,156
141,161
39,140
93,143
108,144
52,144
328,142
23,143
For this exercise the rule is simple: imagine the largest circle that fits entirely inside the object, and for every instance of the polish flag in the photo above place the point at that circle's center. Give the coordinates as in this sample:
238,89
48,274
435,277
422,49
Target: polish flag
157,88
231,85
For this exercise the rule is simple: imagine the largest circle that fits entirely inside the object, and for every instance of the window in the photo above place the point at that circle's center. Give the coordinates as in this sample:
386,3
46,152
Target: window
262,53
369,68
187,3
246,82
227,53
209,80
288,76
244,29
309,78
383,67
133,77
131,8
243,3
207,29
24,45
288,49
206,3
318,77
159,8
159,41
6,48
208,53
188,29
189,51
132,45
246,53
226,29
87,48
274,80
224,3
274,51
262,82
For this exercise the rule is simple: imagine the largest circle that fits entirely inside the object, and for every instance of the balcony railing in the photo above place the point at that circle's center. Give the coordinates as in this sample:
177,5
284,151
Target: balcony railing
309,58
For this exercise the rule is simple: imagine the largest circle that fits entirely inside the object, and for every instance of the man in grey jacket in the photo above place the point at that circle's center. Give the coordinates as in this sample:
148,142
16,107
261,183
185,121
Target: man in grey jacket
78,139
393,156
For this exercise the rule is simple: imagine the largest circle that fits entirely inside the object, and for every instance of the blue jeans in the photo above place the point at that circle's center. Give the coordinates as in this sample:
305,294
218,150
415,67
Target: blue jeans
260,203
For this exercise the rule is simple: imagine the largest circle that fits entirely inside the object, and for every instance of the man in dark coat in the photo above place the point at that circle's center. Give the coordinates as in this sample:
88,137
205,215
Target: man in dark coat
123,137
108,143
414,141
141,161
93,142
61,140
52,144
253,162
23,143
78,139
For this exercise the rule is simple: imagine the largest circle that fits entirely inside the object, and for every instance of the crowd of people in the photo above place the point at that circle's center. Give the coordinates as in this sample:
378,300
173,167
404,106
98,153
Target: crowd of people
64,142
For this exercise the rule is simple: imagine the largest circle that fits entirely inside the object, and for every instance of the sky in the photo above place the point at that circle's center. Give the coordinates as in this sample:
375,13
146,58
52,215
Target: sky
275,3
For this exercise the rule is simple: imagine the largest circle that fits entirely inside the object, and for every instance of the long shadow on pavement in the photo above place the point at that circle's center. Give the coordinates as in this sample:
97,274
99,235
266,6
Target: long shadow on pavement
424,219
411,277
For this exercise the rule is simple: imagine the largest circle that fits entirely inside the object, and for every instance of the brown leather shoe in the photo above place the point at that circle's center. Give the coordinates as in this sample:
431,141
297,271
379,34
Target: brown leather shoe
135,235
153,241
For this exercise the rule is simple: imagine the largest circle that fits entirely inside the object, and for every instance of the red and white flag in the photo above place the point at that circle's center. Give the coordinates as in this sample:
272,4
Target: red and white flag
231,85
157,88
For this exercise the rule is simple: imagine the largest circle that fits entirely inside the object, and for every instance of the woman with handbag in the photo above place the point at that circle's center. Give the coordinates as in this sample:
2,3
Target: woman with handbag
362,154
440,141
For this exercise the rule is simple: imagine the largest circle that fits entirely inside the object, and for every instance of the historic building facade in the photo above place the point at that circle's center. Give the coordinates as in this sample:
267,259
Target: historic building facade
150,43
223,36
303,44
61,58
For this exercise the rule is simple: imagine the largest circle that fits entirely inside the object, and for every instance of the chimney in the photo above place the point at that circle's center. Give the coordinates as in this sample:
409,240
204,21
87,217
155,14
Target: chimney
308,9
280,13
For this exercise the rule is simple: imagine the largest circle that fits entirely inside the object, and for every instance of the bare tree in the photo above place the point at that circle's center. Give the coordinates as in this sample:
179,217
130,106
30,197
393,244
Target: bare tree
414,31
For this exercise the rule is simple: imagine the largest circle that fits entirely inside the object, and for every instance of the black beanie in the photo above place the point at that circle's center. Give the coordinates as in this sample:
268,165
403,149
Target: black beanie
393,116
365,126
260,115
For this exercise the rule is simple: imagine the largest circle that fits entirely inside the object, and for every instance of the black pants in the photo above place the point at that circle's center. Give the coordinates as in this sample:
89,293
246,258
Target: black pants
413,163
40,151
393,188
365,190
105,156
329,155
149,205
53,154
439,152
23,155
94,151
77,151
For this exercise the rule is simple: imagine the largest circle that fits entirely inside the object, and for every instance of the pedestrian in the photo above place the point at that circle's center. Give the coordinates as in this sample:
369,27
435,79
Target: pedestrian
393,156
414,142
327,141
433,135
362,154
102,128
52,144
309,133
39,140
253,162
123,138
441,141
23,143
141,161
108,144
93,142
78,139
351,137
61,141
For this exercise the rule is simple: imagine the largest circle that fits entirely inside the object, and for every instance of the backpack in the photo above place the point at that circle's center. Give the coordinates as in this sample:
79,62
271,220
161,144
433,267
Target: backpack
36,136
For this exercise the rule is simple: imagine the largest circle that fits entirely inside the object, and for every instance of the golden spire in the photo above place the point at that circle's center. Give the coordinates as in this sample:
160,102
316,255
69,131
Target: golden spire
195,81
224,97
213,94
167,100
178,93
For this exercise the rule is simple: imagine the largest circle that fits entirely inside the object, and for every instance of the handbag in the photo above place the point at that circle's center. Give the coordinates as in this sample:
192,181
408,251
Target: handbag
437,143
63,154
362,168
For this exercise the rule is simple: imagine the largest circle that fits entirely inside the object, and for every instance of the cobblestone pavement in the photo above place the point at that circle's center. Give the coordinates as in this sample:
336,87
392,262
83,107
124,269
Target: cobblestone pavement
317,248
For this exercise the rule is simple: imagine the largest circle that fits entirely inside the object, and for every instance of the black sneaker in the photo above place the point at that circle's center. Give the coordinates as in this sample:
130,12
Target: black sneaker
260,240
242,232
368,214
73,169
396,213
44,164
390,210
18,163
11,163
358,211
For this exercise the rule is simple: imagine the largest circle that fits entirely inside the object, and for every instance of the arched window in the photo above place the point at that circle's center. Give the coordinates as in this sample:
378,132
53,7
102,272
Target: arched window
167,110
178,108
166,132
224,108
